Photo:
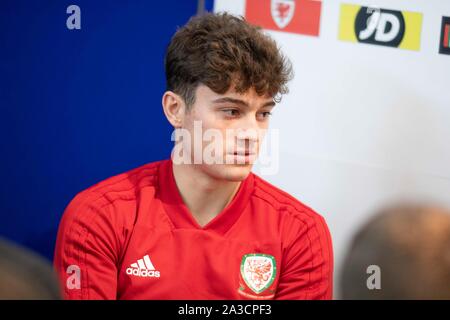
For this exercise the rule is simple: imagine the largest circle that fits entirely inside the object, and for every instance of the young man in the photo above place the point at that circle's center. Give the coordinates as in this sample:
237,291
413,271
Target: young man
190,229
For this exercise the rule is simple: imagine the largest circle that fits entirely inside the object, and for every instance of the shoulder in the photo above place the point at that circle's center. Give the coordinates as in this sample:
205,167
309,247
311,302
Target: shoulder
120,185
284,203
107,199
295,220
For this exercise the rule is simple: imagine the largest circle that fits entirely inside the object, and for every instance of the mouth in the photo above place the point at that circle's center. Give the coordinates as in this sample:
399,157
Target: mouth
243,157
243,153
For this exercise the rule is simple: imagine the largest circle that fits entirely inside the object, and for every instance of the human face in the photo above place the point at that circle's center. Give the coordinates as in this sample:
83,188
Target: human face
240,118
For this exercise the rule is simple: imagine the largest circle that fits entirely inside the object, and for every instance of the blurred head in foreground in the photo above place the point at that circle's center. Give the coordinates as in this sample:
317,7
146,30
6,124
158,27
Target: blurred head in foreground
24,275
402,253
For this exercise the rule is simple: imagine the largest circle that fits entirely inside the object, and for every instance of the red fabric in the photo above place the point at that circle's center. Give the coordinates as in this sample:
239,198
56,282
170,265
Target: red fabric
138,218
447,36
305,20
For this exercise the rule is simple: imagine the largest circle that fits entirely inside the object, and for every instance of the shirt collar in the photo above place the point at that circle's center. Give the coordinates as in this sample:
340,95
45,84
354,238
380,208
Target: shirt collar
179,213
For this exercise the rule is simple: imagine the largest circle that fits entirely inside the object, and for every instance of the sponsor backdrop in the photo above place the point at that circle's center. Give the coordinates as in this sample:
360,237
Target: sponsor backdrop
367,119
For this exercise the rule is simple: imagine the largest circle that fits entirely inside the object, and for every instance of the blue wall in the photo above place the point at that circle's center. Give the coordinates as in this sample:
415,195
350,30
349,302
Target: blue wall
77,106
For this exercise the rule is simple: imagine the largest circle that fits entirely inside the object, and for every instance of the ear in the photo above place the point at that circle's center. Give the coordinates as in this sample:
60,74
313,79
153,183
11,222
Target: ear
174,108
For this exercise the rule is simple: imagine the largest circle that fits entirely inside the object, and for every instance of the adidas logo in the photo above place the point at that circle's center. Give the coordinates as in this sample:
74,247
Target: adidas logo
143,268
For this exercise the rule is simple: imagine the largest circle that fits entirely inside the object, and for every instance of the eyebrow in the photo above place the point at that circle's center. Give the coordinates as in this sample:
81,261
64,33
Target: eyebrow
241,102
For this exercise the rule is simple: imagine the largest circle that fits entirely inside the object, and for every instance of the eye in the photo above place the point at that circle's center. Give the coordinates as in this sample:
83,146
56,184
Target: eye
264,115
231,112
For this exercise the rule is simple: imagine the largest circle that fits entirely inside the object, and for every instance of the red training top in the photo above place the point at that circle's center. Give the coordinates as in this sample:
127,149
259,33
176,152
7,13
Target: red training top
132,237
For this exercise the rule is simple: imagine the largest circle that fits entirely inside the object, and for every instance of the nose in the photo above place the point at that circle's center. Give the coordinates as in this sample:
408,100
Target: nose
249,123
248,133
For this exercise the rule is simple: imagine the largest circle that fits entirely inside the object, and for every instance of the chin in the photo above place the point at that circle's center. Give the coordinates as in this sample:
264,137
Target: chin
229,172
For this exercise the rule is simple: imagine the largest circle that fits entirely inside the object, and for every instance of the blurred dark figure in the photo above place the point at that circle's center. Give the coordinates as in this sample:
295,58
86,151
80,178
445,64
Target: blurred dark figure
411,246
24,275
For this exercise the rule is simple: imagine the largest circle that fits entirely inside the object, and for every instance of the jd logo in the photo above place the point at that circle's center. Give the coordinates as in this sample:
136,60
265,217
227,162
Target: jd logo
371,25
380,26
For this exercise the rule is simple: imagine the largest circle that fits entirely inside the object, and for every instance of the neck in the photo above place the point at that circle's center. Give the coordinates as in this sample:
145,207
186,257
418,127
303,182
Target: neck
205,196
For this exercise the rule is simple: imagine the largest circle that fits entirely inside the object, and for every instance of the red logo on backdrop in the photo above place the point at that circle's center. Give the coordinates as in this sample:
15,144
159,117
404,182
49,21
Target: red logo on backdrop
296,16
282,12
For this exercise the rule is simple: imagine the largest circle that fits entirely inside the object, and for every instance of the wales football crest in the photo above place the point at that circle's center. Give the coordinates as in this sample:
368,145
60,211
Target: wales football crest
282,12
258,271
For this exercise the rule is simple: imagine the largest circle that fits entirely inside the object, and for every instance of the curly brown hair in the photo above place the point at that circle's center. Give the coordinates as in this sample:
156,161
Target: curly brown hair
220,50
